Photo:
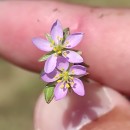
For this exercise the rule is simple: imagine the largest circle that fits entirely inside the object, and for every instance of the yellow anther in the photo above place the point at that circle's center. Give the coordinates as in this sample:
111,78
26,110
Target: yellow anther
58,49
67,85
52,42
55,54
65,78
57,76
72,71
59,52
67,42
62,86
60,75
66,73
72,83
54,48
65,54
62,69
61,39
58,81
71,78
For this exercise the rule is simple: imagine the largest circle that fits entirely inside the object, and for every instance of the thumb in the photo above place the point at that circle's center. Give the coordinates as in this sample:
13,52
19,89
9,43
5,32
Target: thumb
74,112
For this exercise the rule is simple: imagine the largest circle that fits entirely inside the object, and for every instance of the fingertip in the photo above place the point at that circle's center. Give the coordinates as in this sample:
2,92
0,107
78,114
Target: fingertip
73,112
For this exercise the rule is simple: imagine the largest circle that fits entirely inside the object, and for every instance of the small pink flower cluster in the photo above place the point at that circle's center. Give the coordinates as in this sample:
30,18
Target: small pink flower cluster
63,69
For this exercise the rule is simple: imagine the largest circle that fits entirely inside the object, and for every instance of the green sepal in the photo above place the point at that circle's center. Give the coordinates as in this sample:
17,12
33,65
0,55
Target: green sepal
79,52
85,79
85,65
48,37
66,33
49,93
46,56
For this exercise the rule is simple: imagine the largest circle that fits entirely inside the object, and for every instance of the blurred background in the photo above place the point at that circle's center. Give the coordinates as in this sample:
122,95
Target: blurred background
20,89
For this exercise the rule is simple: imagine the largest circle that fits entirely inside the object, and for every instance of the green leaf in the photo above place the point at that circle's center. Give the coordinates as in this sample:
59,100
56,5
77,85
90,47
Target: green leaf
66,32
45,57
49,93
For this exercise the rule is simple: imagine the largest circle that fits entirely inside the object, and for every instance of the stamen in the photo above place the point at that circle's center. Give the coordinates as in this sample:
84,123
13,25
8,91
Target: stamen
72,71
65,54
57,76
62,69
67,85
55,55
59,52
52,42
58,81
61,75
62,86
71,77
54,49
72,83
67,42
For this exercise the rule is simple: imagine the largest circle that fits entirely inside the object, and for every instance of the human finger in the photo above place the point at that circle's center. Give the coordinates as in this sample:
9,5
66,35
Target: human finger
105,46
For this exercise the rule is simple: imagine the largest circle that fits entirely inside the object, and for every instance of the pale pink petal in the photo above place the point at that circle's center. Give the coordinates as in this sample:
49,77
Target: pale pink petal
42,44
50,64
73,40
59,92
62,63
56,31
72,56
78,87
50,77
78,70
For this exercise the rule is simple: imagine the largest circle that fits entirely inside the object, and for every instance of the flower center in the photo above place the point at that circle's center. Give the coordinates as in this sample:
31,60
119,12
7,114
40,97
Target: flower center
58,49
65,75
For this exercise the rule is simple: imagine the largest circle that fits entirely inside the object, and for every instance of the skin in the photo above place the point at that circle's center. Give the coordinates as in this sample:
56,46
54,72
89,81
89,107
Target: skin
105,45
116,119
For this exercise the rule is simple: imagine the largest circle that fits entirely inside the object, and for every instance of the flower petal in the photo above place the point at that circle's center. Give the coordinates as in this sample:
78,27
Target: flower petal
73,40
50,64
50,77
56,32
59,92
42,44
78,87
62,63
78,70
72,56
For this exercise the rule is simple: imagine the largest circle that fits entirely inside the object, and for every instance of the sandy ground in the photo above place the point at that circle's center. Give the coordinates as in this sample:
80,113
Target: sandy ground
19,90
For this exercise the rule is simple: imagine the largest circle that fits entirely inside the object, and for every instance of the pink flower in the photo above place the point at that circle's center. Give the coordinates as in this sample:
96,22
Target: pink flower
59,46
67,78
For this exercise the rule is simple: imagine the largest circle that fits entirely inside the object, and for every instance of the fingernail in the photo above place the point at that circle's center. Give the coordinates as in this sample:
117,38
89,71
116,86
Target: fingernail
73,112
117,119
